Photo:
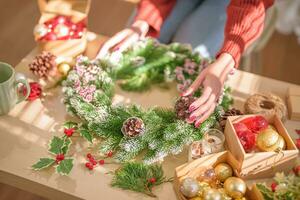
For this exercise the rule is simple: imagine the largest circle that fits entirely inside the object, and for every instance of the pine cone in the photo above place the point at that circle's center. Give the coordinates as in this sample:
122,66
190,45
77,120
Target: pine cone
133,127
43,64
228,113
182,107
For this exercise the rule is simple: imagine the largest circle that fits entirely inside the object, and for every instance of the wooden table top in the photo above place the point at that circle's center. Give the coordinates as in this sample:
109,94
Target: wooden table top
26,130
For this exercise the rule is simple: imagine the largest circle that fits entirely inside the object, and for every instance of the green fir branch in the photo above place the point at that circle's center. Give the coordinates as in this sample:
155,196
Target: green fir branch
137,177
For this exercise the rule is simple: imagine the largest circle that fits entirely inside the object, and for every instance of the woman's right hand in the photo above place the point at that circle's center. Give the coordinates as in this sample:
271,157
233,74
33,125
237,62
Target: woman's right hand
125,38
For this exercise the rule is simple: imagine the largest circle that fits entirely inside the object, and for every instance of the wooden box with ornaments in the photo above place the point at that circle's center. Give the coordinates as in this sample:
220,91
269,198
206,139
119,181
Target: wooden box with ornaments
262,146
62,27
212,177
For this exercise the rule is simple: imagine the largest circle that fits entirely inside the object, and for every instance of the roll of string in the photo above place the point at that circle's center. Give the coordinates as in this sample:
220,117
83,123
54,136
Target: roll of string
266,104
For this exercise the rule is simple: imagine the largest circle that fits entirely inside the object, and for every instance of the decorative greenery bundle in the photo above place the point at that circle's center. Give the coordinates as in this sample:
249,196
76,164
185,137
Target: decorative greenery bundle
129,130
284,188
139,177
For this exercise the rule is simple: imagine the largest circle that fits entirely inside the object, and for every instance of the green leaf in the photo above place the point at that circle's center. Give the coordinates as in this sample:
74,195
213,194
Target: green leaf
86,134
55,146
43,163
70,124
66,145
65,166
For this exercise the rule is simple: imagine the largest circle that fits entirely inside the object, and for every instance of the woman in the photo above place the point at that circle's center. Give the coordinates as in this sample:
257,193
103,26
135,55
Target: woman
165,20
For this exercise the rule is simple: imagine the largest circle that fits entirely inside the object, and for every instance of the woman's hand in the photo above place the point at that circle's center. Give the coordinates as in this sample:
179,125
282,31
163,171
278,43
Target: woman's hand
212,80
125,38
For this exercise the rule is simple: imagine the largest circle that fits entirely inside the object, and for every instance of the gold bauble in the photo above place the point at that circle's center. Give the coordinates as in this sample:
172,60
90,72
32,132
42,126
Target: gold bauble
203,186
64,68
267,138
212,194
223,171
235,187
279,145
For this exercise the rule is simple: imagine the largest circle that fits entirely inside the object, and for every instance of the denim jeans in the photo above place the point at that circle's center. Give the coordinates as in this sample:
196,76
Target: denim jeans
197,22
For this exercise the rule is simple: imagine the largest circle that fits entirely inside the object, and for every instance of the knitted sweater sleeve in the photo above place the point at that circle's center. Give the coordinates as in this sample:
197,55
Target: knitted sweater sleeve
245,22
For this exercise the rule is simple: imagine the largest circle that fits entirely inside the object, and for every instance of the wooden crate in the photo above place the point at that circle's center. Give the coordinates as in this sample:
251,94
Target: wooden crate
256,165
293,101
78,10
193,168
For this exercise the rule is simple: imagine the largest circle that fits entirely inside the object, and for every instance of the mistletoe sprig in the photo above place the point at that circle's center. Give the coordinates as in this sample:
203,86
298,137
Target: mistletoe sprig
139,177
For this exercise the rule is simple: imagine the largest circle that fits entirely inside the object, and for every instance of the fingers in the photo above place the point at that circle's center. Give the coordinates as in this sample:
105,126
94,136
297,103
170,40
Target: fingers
201,100
205,115
127,42
195,85
112,42
203,108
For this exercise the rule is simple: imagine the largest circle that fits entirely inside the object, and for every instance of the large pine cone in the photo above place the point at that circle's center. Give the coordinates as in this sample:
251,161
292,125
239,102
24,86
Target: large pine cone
182,107
133,127
43,64
228,113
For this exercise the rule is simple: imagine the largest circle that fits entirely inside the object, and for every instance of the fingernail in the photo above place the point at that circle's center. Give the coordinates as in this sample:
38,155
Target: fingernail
191,108
192,118
197,125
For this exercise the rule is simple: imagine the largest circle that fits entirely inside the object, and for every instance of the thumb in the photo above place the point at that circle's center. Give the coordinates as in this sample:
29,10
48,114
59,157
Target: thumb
195,85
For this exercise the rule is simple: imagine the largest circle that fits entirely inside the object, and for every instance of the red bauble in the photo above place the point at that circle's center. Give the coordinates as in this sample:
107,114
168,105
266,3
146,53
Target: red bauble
247,139
240,127
256,123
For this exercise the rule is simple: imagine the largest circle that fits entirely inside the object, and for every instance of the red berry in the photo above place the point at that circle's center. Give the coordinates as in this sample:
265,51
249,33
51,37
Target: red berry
94,162
273,186
89,155
297,170
59,157
89,165
152,180
298,131
109,154
101,162
69,131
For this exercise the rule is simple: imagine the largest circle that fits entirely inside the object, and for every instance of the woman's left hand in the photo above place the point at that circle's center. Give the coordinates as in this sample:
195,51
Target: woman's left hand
212,80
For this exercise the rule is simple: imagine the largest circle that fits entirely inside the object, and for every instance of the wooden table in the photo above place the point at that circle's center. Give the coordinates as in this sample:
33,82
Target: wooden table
26,130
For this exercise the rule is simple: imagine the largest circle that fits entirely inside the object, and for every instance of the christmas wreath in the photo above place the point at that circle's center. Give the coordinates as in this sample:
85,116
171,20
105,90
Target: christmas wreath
126,131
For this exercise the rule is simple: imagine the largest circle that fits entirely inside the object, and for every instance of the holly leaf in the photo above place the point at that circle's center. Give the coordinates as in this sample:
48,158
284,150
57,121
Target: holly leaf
86,134
70,124
66,145
43,163
56,145
65,166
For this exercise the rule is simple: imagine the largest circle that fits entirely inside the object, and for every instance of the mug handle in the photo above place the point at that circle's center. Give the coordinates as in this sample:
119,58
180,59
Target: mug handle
20,78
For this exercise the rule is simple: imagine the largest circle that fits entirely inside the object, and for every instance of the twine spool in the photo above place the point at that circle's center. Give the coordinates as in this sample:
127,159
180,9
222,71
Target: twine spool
266,104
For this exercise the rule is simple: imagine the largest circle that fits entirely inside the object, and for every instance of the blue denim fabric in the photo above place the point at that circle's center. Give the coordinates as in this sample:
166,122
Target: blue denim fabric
197,22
